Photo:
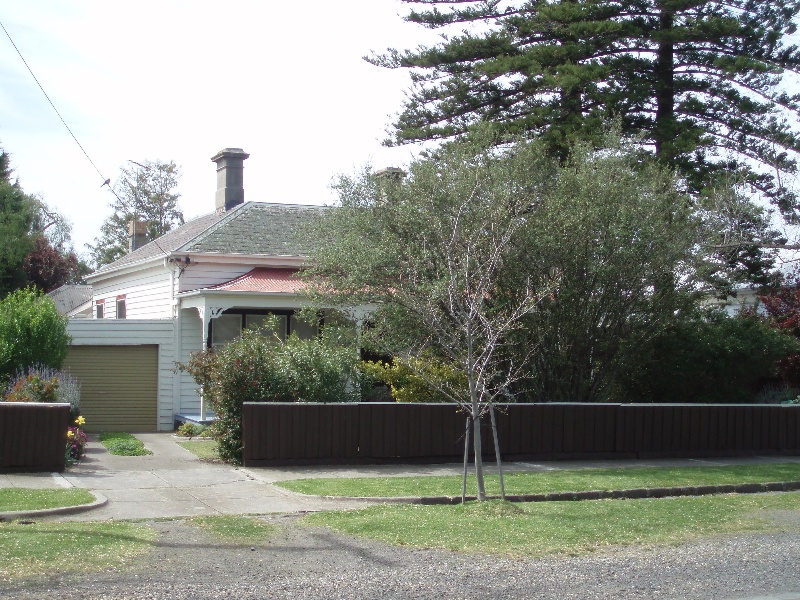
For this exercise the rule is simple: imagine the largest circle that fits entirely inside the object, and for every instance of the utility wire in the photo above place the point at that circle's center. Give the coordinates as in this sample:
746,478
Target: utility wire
51,103
106,181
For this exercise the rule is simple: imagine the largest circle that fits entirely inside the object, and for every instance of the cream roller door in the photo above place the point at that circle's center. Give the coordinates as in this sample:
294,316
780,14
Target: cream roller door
119,386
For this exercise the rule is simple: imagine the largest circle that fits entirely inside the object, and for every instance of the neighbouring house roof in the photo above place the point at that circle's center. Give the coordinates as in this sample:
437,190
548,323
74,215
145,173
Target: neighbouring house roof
254,228
264,280
70,297
167,243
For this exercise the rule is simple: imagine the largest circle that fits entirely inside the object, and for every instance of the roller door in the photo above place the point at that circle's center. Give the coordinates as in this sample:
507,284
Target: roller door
119,386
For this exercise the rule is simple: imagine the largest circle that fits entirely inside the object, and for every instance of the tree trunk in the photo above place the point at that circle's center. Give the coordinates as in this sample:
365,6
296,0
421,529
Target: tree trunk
476,438
466,460
497,452
665,131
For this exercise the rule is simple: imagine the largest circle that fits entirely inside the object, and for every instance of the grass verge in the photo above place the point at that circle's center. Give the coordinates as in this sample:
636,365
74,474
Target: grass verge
574,480
13,499
535,529
205,449
45,548
235,529
123,444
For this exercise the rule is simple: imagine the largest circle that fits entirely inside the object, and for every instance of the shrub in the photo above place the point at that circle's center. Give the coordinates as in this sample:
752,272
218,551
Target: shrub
31,333
262,368
190,430
43,384
418,379
76,441
32,388
711,358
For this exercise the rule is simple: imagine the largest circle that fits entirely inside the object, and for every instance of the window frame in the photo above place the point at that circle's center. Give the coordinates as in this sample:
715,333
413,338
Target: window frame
122,303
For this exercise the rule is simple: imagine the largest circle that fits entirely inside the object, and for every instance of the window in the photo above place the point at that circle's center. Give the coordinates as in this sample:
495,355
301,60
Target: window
229,325
303,329
121,311
260,321
224,328
98,309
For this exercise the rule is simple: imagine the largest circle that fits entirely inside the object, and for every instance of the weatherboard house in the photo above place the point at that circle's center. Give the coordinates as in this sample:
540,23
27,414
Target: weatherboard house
195,287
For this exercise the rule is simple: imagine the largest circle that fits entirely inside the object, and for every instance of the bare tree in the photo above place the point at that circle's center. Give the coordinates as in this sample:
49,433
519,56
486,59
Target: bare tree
429,251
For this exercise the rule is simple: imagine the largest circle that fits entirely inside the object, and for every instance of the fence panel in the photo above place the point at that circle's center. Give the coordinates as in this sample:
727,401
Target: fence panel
33,436
277,433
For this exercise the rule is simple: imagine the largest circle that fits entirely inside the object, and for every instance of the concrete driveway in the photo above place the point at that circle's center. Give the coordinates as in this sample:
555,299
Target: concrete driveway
171,482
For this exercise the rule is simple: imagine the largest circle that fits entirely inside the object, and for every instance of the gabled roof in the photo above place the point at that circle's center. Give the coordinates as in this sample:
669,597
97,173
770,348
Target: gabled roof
251,228
264,280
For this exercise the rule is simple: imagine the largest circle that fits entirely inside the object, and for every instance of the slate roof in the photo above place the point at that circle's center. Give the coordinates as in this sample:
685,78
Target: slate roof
69,297
250,228
258,228
264,280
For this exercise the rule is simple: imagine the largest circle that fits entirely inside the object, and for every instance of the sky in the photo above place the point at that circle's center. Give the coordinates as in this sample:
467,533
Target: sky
180,80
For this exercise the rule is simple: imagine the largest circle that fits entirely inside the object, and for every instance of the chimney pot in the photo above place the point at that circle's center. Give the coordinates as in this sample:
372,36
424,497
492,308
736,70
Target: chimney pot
230,177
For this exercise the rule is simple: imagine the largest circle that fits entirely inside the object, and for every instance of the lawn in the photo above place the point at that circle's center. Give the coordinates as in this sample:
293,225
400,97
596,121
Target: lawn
535,529
123,444
14,499
204,449
235,529
41,548
573,480
38,549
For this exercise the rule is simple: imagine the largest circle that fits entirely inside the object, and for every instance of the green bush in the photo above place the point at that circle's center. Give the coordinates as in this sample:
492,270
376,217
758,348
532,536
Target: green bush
43,384
418,379
711,358
262,368
190,430
31,333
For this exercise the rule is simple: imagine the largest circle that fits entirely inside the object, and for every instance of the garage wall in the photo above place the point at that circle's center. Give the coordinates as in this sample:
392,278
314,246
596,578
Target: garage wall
129,351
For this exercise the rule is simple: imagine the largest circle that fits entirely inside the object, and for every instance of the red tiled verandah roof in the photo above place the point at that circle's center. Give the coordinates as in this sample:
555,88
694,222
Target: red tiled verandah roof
265,280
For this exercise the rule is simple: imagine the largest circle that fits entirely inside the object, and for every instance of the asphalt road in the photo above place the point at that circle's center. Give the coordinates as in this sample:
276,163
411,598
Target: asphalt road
306,562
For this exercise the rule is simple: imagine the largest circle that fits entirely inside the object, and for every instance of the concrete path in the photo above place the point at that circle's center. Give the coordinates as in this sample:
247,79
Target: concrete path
172,482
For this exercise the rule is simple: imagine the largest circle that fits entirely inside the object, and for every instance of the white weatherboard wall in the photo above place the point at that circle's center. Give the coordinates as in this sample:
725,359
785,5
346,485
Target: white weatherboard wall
132,332
188,398
147,293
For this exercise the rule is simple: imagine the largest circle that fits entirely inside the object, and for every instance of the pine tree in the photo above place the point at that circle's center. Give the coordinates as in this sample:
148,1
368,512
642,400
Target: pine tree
700,81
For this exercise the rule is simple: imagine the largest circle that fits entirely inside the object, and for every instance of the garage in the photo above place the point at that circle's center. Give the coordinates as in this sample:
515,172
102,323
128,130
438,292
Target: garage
119,386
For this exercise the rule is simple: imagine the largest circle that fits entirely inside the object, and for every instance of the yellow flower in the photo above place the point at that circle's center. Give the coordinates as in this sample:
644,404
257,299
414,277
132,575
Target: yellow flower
80,421
70,434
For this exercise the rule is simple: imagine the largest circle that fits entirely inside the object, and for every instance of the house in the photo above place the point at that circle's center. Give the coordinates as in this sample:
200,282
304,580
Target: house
193,288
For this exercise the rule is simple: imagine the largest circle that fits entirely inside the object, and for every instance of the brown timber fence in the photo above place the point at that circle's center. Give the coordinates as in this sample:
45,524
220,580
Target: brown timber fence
33,436
285,433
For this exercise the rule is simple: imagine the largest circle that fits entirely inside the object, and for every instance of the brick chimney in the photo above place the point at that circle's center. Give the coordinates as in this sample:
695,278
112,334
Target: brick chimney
230,178
137,234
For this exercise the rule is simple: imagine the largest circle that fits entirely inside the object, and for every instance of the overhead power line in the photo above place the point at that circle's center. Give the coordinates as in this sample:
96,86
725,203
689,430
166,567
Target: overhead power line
86,154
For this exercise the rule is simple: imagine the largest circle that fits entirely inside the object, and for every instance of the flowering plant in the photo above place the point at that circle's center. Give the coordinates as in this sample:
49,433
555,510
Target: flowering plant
76,440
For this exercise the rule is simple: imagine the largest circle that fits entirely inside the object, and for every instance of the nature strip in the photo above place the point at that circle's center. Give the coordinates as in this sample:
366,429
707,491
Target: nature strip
99,500
637,493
